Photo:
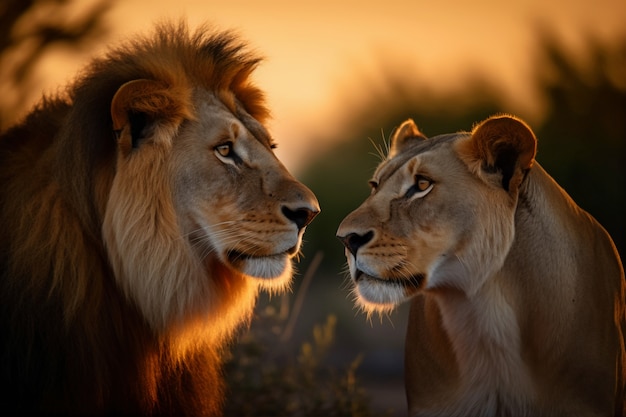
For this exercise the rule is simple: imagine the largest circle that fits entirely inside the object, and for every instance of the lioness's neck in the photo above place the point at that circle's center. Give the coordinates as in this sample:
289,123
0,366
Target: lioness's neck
485,327
489,330
485,336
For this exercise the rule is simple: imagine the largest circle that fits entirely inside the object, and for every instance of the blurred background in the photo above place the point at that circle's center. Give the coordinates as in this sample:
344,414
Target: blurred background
339,76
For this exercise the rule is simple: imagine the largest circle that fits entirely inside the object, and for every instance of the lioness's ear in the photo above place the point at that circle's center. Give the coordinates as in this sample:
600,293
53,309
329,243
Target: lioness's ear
503,144
139,105
401,136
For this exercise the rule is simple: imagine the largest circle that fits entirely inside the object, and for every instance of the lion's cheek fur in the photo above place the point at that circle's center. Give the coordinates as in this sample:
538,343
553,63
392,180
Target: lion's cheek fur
178,295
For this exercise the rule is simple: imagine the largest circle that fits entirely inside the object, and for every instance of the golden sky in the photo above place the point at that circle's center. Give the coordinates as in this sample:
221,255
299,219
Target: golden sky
317,52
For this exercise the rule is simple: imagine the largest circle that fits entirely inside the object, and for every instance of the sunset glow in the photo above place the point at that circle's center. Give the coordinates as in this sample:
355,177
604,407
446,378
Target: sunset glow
322,56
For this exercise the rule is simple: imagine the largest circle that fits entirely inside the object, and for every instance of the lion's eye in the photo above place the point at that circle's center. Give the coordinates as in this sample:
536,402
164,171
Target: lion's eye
225,149
420,187
225,152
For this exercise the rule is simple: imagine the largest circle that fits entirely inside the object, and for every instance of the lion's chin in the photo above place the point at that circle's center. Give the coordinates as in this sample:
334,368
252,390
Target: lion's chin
377,294
272,273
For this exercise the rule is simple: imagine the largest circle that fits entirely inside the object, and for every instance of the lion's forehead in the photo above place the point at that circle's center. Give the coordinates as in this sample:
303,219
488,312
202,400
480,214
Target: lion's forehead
256,129
214,114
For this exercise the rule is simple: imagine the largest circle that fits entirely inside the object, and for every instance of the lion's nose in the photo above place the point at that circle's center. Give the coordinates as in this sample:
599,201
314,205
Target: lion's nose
301,216
353,241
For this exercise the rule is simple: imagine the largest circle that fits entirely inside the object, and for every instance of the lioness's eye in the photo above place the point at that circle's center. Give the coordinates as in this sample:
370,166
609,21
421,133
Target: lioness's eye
422,183
224,149
420,187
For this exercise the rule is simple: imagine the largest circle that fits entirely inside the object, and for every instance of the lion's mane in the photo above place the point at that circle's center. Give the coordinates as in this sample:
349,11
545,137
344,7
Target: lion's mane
72,339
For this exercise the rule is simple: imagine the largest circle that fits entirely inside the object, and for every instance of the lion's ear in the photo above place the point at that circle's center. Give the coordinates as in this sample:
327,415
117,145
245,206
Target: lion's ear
402,135
139,105
504,144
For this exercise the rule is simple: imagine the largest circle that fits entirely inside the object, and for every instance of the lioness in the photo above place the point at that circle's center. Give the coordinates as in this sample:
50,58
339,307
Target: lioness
517,294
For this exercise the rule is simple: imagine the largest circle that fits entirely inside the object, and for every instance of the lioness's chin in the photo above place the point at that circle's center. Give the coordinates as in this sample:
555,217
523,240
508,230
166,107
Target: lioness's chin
384,294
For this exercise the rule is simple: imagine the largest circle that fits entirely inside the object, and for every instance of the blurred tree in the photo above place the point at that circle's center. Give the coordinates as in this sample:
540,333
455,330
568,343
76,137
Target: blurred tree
582,142
28,29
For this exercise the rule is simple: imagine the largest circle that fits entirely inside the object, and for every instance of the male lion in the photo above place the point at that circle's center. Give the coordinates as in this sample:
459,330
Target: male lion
140,213
517,293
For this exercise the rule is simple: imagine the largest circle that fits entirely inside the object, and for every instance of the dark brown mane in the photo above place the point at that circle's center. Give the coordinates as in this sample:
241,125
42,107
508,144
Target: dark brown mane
173,55
58,297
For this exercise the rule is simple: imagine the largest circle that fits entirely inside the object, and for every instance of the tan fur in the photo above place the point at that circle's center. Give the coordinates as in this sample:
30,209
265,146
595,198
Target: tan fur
140,214
517,294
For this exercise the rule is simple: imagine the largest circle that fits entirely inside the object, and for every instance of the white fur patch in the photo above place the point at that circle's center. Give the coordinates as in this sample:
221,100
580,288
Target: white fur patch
374,295
378,296
277,283
268,267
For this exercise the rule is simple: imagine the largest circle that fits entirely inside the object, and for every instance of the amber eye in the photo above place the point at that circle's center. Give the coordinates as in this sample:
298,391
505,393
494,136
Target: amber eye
422,183
224,149
420,187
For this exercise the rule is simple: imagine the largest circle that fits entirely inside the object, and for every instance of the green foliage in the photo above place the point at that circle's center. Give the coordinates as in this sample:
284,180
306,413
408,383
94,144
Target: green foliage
582,142
265,378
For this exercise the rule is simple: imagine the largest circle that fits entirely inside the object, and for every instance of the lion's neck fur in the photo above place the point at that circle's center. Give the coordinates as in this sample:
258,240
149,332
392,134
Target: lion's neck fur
157,268
73,339
80,308
130,368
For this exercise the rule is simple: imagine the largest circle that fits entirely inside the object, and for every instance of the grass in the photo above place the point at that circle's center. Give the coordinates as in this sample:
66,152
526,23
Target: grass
268,375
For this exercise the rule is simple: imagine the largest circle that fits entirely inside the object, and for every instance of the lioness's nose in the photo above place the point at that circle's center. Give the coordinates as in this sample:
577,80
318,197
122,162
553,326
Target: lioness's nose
301,216
353,241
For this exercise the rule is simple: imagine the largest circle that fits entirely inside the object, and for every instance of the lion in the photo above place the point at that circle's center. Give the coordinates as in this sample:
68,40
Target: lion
141,212
517,294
